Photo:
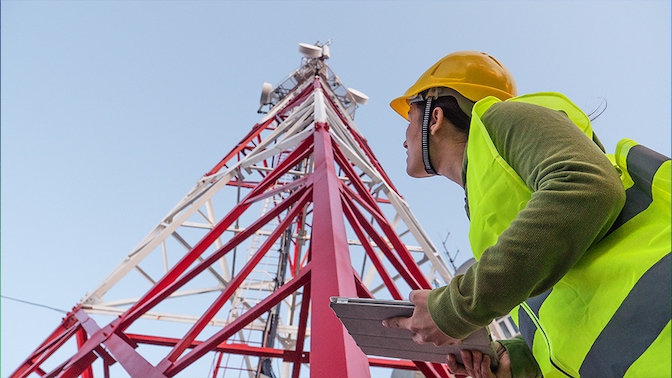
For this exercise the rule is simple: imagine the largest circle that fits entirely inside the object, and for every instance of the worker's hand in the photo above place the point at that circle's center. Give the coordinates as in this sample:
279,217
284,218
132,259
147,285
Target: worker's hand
420,323
477,364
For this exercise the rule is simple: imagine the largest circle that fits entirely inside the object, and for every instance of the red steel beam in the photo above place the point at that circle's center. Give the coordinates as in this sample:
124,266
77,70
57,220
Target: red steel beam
264,306
332,349
231,348
402,269
81,339
118,346
49,346
392,237
170,288
256,130
299,356
357,227
235,283
143,304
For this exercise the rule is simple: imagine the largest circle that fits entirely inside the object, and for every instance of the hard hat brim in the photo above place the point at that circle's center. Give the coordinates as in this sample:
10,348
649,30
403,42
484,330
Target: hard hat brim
401,106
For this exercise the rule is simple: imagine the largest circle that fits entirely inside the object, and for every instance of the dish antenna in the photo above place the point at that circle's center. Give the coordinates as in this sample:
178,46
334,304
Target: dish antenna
360,98
266,96
310,51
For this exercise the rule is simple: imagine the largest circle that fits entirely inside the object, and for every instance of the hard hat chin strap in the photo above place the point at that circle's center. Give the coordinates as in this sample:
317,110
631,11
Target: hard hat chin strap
425,139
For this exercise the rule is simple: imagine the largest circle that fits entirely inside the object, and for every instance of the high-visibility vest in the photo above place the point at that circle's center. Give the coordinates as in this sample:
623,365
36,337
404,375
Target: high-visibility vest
609,316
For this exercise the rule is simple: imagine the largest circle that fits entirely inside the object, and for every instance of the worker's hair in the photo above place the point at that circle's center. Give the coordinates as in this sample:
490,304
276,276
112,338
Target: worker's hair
451,111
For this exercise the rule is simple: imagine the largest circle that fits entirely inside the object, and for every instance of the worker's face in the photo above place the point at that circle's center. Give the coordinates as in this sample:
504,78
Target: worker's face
413,143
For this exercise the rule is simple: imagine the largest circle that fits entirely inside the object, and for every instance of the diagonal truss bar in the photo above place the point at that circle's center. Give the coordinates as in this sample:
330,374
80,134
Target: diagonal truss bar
150,301
366,200
298,356
241,276
120,347
289,103
78,363
57,338
297,155
254,133
197,197
393,239
384,247
349,212
270,301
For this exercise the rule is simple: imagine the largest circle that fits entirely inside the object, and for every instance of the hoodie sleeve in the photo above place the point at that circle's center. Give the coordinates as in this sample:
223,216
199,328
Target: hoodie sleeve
576,196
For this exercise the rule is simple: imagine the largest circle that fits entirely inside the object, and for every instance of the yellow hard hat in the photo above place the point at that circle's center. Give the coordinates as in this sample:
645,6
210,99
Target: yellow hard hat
475,75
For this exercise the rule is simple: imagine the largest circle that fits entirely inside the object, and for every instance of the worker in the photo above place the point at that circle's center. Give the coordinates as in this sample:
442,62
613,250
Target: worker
573,243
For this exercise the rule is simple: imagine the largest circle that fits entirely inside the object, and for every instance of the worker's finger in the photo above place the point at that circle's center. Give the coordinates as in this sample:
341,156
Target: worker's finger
412,295
398,322
454,366
477,357
467,361
485,366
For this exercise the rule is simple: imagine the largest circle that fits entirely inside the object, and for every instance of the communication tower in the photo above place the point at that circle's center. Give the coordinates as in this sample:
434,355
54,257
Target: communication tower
239,273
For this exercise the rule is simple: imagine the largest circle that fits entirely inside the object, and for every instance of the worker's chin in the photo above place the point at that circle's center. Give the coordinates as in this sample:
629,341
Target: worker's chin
416,173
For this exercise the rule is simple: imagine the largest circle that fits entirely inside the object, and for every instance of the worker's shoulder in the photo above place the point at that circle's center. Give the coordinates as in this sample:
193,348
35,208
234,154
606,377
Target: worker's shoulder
508,109
516,114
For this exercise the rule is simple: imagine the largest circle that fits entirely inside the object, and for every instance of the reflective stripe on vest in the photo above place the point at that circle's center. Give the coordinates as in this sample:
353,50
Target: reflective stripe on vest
579,326
640,318
642,164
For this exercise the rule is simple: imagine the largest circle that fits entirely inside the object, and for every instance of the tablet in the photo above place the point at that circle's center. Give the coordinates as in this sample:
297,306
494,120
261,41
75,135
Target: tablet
363,317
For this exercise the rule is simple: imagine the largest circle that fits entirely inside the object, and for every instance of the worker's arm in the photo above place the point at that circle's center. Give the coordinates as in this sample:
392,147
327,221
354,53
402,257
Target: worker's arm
577,195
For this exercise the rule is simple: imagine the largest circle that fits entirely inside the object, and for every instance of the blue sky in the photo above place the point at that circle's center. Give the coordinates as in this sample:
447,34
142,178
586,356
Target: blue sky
112,110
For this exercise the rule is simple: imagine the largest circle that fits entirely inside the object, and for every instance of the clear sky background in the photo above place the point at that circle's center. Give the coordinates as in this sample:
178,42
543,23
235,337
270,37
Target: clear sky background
112,110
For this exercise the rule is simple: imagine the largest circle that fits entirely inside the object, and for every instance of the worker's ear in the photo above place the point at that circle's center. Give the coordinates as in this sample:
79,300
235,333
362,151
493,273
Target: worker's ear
437,121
